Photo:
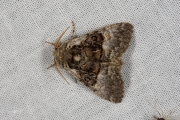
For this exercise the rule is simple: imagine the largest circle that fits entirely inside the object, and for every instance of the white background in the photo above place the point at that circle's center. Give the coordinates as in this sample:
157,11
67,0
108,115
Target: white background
151,69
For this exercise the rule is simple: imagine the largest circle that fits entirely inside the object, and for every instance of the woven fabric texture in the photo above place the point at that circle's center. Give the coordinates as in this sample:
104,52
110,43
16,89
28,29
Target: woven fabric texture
151,70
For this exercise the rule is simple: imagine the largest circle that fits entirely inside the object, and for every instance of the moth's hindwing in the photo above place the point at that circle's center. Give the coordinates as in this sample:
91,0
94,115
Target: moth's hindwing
95,59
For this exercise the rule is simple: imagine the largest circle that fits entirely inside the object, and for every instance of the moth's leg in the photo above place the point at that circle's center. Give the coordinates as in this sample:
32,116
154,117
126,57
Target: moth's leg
73,30
55,44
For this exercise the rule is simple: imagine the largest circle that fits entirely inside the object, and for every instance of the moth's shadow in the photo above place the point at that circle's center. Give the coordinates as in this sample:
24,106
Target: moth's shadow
127,66
46,55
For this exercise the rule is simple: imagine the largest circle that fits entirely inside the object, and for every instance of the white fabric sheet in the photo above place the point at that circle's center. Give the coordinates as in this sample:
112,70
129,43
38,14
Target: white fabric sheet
151,70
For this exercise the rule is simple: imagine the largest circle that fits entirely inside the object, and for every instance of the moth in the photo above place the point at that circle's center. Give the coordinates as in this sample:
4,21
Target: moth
166,117
161,114
94,59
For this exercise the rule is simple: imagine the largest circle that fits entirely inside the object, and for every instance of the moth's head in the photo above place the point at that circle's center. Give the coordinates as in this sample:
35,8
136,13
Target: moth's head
56,45
58,54
63,56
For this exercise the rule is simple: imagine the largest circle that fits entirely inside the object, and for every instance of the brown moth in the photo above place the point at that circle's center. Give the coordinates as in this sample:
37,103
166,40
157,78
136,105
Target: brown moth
95,59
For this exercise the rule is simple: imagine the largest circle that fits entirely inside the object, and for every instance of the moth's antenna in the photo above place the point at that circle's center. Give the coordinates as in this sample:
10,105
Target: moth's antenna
55,65
73,29
58,39
160,108
152,107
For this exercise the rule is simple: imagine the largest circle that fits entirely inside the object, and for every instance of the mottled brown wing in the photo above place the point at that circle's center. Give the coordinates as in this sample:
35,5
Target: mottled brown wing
109,81
95,59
